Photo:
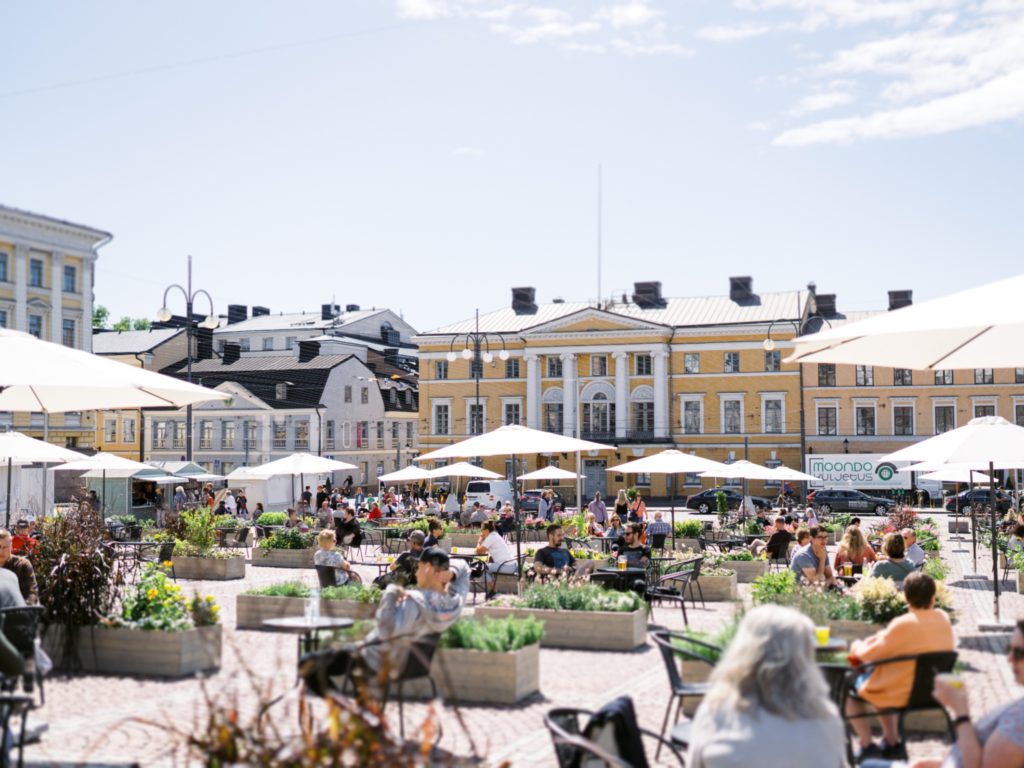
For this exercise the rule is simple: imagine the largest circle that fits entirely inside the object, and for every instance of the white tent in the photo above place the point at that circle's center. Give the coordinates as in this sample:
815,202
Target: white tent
411,473
106,465
549,473
19,449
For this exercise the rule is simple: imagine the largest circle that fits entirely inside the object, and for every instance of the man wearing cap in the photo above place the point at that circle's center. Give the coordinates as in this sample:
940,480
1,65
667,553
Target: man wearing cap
22,542
20,567
403,570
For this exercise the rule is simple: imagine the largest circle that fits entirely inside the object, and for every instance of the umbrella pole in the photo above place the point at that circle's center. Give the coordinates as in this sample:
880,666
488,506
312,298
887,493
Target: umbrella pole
995,544
515,509
974,521
672,511
104,486
7,524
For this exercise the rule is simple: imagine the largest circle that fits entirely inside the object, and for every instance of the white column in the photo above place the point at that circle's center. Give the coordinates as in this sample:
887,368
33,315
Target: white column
569,389
21,287
265,434
533,391
660,393
56,298
621,393
87,300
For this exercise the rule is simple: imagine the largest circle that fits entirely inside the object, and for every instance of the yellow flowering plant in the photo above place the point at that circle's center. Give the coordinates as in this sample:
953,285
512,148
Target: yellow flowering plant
157,603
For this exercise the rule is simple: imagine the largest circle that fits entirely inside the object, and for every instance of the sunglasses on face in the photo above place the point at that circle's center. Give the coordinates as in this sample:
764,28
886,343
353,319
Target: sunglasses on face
1016,653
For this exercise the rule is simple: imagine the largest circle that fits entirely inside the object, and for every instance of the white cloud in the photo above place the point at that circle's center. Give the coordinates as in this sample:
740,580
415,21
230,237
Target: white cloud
423,9
634,14
734,33
469,152
641,48
819,102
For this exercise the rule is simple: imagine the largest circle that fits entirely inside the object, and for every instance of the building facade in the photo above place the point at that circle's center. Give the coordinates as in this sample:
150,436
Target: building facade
46,289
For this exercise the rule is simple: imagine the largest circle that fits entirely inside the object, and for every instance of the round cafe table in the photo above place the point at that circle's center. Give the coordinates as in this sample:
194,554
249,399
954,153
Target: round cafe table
622,579
307,629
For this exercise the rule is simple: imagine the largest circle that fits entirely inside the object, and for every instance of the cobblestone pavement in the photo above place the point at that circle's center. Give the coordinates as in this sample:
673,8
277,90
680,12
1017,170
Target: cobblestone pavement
119,720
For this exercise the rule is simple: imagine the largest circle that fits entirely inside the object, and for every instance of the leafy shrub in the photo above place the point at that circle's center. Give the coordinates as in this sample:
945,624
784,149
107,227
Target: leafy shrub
362,593
773,587
156,604
184,549
124,519
283,589
879,600
936,568
720,640
199,529
561,596
226,523
272,518
289,538
689,529
753,528
721,503
494,635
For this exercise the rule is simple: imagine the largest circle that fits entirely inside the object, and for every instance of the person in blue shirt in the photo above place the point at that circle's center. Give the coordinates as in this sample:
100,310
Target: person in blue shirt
810,563
553,559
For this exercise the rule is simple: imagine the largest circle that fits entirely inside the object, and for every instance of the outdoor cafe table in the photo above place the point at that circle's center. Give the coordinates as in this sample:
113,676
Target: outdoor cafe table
307,629
622,580
132,551
381,563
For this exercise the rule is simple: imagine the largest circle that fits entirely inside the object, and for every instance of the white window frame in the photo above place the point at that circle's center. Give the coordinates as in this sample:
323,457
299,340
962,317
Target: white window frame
939,402
818,405
441,367
434,402
870,405
732,398
687,356
1018,402
110,435
650,364
731,355
691,398
765,397
126,435
268,343
984,400
506,401
470,402
912,405
594,360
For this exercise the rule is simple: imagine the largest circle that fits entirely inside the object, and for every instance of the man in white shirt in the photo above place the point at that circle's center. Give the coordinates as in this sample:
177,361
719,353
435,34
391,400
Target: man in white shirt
229,503
913,553
502,560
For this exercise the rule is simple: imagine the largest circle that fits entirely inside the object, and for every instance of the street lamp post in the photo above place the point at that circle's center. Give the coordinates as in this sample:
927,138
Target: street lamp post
164,315
471,351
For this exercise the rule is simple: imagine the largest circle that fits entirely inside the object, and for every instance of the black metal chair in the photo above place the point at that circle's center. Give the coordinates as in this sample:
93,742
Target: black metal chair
241,540
573,748
778,556
926,667
680,689
327,575
672,587
517,574
415,667
21,628
694,583
658,540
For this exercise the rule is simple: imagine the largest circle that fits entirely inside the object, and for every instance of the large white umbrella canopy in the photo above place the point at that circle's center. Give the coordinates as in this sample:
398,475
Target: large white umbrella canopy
512,440
977,328
669,462
409,474
299,464
16,448
464,469
106,465
954,475
786,473
243,473
982,441
742,470
41,376
549,473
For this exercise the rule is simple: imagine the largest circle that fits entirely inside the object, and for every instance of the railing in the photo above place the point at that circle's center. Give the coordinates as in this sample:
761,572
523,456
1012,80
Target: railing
301,445
250,443
279,443
227,445
205,443
599,434
160,443
178,443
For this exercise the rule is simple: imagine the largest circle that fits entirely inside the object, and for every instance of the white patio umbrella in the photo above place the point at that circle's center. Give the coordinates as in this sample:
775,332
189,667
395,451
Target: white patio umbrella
669,462
550,473
19,449
977,328
298,465
786,473
987,441
512,440
957,476
741,470
463,469
40,376
243,473
410,473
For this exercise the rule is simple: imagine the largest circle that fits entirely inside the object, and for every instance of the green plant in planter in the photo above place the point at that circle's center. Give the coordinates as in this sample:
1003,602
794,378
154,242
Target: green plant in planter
124,519
226,523
689,529
362,593
936,568
562,596
289,538
493,635
157,604
200,529
737,555
773,587
720,640
721,503
753,528
272,518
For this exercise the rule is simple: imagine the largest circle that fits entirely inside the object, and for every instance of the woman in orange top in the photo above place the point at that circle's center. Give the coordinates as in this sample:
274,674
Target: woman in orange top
923,629
854,548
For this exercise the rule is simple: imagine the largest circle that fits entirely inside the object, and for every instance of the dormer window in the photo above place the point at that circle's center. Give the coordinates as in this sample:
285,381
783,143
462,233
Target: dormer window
281,391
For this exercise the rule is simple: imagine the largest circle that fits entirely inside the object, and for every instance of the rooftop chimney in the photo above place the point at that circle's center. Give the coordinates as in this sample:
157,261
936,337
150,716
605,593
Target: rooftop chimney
260,311
232,353
203,339
647,295
308,350
900,299
524,301
329,311
237,313
351,307
391,355
741,289
826,303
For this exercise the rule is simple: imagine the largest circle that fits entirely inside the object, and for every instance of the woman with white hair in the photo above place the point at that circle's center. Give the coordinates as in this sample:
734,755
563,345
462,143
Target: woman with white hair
767,702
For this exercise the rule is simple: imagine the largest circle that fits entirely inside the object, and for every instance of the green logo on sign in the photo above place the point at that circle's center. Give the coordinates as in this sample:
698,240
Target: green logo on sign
885,471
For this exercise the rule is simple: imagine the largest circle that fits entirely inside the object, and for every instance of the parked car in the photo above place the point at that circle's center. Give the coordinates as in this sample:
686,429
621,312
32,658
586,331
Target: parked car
529,501
963,501
706,502
490,493
846,500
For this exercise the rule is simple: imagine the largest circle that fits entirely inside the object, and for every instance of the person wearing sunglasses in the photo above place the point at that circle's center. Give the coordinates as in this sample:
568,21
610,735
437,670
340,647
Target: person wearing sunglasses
810,563
997,739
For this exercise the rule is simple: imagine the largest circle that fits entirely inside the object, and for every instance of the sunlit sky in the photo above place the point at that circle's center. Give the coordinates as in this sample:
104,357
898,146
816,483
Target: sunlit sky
427,155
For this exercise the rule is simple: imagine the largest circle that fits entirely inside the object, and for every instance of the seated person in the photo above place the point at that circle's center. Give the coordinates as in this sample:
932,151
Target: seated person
21,567
810,563
325,515
348,530
222,508
923,629
614,529
657,527
593,527
761,517
294,521
435,532
374,513
22,542
403,570
912,550
854,549
895,566
636,554
479,515
502,561
507,520
1016,540
554,560
778,543
328,555
403,616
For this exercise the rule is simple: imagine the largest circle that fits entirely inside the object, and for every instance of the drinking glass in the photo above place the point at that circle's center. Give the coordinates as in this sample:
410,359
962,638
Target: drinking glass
822,634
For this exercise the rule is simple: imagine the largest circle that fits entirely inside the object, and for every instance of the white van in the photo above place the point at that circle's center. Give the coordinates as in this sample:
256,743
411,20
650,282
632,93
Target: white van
490,493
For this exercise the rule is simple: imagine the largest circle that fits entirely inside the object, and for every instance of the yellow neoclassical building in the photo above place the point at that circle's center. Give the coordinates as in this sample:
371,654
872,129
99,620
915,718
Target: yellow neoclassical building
638,375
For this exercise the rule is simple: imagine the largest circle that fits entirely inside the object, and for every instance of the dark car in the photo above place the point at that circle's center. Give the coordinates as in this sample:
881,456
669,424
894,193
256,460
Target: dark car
706,502
529,501
963,501
845,500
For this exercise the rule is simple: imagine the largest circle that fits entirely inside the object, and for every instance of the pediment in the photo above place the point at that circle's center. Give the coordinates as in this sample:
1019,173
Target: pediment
594,320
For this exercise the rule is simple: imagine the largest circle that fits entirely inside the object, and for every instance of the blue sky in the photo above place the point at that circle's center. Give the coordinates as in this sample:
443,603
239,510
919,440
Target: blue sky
427,155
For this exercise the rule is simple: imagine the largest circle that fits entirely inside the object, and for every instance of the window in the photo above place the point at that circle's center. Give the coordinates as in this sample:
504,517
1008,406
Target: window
280,439
982,375
160,434
36,421
441,418
281,390
179,434
1018,375
380,433
773,416
362,434
642,365
302,435
348,393
250,434
70,279
1018,414
865,376
476,367
3,268
512,368
67,332
903,419
6,418
329,434
643,418
691,362
828,417
476,418
945,418
693,417
944,378
773,361
206,434
865,415
732,416
3,318
408,431
512,413
554,366
553,418
599,365
243,345
984,409
394,432
35,273
364,396
35,325
72,418
128,429
110,429
732,362
902,377
290,342
440,369
599,417
268,344
826,375
227,435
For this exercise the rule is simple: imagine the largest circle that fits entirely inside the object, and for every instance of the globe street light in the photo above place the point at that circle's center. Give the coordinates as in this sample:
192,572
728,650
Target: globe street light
474,342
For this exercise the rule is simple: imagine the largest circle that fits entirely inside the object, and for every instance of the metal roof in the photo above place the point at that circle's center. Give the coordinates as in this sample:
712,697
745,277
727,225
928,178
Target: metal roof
131,342
297,321
680,312
264,363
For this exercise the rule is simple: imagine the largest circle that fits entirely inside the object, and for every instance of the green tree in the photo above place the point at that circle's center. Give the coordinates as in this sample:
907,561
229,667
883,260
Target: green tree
100,316
141,324
124,324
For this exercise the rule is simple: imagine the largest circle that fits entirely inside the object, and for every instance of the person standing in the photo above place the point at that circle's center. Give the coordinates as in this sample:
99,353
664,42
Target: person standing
230,503
243,503
598,509
637,510
622,504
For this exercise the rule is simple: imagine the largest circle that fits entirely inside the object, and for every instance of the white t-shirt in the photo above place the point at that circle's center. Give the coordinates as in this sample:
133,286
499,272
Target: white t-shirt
497,548
229,503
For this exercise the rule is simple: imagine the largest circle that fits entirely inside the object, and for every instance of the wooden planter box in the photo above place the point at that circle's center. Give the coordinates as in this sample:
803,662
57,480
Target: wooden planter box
1020,582
283,558
252,610
209,568
123,651
719,588
594,630
482,677
694,672
850,630
462,539
746,570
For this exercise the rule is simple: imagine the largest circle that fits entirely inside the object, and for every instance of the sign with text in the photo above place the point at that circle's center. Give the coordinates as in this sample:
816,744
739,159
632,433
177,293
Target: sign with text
855,470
